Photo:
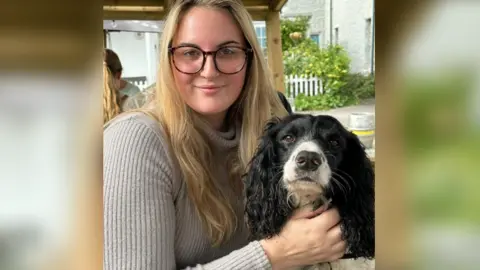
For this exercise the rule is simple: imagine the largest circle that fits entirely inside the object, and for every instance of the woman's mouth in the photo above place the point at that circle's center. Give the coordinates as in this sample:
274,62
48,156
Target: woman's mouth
209,89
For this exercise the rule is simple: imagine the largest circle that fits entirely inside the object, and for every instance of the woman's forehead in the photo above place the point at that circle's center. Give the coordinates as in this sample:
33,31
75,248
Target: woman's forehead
208,28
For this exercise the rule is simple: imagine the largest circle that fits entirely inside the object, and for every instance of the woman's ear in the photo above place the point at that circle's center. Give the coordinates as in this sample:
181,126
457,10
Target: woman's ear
266,205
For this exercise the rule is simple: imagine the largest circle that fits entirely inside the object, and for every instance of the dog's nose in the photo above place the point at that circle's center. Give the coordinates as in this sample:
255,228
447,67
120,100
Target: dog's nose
308,161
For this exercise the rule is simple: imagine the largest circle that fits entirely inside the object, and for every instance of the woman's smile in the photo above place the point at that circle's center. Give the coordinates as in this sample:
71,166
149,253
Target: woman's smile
209,89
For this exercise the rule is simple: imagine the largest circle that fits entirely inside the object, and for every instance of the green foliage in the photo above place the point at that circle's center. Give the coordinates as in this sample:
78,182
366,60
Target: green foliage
363,86
323,102
332,68
303,57
355,88
331,65
299,24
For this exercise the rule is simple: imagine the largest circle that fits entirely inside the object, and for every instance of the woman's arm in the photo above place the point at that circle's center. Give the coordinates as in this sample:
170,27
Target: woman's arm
139,214
251,257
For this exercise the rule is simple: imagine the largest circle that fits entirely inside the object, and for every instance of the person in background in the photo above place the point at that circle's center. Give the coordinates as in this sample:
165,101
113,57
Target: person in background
173,190
118,95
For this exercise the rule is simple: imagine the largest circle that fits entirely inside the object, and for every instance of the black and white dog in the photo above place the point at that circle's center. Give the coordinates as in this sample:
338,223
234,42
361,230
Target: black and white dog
305,161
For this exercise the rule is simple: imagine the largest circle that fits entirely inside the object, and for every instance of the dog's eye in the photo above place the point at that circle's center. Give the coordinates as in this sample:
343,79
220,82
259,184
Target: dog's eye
288,139
334,143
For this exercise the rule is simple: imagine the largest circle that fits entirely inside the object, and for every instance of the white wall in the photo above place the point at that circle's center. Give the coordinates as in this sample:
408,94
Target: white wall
315,9
138,53
350,16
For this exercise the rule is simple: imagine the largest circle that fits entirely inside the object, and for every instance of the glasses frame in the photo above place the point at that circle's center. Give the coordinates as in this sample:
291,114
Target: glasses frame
248,52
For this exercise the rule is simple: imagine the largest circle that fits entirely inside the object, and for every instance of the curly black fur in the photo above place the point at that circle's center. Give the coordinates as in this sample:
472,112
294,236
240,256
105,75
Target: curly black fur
267,209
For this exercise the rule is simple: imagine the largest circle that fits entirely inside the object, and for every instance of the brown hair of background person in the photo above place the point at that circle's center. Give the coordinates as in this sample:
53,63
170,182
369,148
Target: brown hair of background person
111,103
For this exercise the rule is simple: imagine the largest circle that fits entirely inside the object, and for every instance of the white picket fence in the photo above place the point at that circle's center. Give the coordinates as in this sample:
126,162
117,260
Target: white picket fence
141,84
309,86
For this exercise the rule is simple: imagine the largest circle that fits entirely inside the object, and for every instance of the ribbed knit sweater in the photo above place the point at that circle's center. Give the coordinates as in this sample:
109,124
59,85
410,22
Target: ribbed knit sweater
149,220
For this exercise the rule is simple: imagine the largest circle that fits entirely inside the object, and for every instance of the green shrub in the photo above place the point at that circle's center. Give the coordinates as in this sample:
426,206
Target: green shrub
323,102
355,88
299,24
362,86
304,58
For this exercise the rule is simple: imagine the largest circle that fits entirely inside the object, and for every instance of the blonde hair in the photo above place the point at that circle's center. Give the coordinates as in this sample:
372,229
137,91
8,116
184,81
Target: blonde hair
257,103
111,66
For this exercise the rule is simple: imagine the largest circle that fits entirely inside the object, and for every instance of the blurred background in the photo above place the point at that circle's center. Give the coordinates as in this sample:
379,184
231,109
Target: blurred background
427,107
439,75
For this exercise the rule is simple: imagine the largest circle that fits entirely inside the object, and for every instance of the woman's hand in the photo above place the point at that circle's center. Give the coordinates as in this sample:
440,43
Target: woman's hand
306,241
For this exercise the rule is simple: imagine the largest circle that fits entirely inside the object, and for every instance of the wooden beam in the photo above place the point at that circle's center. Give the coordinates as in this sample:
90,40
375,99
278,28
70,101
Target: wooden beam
258,15
154,12
134,2
149,15
257,8
134,8
133,15
168,4
274,49
276,5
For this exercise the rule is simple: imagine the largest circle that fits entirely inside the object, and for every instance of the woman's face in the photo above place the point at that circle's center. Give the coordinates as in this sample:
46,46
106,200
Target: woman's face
209,91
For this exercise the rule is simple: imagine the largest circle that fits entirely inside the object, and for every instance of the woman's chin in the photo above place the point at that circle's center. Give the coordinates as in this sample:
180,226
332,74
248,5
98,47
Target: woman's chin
205,109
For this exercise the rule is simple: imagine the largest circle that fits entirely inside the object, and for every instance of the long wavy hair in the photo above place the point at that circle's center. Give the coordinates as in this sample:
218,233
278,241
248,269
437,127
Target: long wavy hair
257,103
111,66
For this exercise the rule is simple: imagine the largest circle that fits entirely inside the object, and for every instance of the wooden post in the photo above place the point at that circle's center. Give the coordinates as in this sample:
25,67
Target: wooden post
168,5
274,49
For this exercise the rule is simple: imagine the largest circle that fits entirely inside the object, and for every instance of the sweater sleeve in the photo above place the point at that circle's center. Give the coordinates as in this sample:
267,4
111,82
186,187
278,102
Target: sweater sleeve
139,212
249,257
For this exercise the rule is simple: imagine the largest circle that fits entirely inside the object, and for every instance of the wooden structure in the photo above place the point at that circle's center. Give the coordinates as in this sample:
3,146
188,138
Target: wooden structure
261,10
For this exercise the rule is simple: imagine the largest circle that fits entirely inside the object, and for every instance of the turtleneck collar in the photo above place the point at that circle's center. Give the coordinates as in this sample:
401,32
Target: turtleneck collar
223,140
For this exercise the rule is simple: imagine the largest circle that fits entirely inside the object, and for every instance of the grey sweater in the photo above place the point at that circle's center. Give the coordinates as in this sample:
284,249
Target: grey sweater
149,221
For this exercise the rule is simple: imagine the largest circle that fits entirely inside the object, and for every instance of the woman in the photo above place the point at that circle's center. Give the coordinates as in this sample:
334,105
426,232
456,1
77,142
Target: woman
172,186
118,95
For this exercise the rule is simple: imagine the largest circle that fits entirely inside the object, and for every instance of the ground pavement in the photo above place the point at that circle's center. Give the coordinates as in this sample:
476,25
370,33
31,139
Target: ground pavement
343,114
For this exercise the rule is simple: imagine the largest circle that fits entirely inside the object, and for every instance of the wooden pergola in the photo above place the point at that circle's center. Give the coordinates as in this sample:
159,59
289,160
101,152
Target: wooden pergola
260,10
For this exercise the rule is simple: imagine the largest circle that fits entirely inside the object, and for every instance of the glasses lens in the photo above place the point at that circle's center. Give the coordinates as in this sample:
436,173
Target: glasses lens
230,59
188,59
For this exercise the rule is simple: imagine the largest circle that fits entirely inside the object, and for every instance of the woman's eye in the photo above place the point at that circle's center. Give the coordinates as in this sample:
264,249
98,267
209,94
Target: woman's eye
288,139
227,51
191,53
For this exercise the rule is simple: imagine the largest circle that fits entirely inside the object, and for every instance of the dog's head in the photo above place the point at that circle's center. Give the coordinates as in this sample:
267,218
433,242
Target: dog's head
305,159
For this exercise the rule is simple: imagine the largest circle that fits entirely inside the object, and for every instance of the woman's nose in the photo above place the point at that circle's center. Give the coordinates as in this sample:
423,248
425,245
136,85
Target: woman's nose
209,70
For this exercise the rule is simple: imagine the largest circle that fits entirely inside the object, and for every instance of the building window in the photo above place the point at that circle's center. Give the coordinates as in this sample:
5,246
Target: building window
336,35
261,36
368,44
315,38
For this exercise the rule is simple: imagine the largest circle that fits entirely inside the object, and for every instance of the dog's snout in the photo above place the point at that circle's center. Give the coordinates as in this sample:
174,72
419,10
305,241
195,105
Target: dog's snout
308,161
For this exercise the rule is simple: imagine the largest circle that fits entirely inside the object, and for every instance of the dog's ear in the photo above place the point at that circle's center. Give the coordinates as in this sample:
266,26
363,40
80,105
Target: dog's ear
357,209
268,129
266,206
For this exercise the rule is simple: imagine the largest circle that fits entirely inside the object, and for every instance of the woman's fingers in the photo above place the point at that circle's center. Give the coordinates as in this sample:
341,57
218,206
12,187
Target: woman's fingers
320,210
335,233
338,250
307,213
302,213
327,219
